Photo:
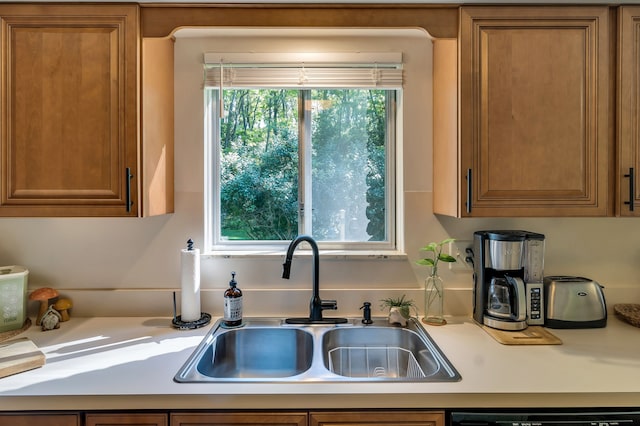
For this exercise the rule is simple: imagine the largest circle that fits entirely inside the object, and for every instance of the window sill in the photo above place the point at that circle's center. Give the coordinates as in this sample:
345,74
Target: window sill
325,254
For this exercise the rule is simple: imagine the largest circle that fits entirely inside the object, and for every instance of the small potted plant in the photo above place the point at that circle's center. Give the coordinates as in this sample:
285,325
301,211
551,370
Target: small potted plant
433,285
399,309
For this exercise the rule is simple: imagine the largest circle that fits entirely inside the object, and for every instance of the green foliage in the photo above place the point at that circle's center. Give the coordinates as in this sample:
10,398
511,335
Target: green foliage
376,128
347,158
259,163
259,166
434,253
405,306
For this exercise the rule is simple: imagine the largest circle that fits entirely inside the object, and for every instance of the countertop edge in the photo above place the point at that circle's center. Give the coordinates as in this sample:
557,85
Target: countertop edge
317,402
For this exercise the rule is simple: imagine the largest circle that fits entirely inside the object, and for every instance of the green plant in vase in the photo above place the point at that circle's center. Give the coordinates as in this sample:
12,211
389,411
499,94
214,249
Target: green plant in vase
433,285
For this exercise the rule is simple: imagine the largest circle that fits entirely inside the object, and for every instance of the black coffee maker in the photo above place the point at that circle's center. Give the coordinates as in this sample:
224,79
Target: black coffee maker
508,277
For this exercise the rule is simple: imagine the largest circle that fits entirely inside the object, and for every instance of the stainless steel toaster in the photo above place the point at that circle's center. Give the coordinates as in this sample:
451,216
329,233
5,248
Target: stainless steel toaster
574,302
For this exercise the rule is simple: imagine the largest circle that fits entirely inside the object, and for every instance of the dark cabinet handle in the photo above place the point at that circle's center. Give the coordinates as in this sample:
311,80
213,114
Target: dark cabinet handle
468,203
632,189
128,178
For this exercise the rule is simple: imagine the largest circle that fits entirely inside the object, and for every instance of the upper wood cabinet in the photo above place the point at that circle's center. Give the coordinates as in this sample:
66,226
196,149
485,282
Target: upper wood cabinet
628,166
71,118
157,126
531,132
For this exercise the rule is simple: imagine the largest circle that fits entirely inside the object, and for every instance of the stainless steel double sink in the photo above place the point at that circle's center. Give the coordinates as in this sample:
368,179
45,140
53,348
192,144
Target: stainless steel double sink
270,350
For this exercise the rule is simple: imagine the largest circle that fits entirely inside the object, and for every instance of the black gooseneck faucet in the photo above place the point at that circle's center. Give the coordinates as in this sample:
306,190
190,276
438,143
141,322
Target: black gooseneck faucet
317,305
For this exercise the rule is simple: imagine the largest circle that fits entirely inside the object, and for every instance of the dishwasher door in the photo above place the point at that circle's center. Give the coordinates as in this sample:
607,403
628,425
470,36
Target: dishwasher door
535,417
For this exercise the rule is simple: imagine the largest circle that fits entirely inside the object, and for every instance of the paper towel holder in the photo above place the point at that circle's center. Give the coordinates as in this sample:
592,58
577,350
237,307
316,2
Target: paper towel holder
177,322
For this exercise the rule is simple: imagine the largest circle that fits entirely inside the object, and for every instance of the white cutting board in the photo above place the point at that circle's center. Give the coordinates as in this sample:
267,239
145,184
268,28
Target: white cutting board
19,355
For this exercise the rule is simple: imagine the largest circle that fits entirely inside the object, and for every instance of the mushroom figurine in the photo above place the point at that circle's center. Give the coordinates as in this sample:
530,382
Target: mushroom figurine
62,306
43,295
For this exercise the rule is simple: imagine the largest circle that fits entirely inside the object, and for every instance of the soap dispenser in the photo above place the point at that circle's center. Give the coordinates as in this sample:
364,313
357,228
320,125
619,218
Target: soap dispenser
232,304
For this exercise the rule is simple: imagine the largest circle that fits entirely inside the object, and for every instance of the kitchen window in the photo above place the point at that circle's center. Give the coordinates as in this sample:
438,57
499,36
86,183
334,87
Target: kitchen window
301,148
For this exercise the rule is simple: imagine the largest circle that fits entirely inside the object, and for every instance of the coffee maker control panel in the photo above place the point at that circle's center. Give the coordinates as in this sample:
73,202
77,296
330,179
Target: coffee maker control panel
535,303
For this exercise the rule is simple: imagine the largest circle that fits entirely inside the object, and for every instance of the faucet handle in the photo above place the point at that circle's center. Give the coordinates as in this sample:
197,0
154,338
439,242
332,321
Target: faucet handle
366,313
329,304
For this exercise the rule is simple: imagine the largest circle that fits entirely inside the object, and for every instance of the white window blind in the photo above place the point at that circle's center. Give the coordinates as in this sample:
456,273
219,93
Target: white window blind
296,70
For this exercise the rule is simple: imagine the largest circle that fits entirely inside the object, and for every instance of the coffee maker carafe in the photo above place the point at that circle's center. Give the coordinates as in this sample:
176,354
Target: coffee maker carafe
508,277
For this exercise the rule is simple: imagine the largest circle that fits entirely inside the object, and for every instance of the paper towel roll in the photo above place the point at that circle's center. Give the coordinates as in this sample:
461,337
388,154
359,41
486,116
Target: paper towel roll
190,300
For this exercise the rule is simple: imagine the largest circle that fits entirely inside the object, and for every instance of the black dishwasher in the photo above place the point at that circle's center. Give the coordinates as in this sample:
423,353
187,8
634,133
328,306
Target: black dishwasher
534,417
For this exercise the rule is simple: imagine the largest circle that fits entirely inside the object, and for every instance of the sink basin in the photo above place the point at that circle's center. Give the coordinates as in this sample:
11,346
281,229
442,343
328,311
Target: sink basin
254,353
384,353
258,352
270,350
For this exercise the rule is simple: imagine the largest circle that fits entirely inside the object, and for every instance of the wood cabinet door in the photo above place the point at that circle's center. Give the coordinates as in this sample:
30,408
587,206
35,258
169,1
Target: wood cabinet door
126,419
44,419
376,418
69,138
536,101
628,164
244,419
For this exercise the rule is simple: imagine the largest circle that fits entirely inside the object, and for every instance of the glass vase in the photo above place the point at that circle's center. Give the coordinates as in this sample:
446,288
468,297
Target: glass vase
434,300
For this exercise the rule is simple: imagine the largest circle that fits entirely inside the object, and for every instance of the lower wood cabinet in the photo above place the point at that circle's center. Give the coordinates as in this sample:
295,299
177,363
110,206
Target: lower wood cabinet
40,419
314,418
245,419
376,418
128,419
208,418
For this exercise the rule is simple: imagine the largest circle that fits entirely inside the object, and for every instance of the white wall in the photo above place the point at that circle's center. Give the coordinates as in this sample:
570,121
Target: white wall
131,266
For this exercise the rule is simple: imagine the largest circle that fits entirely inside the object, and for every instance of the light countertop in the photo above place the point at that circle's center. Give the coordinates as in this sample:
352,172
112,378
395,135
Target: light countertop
127,363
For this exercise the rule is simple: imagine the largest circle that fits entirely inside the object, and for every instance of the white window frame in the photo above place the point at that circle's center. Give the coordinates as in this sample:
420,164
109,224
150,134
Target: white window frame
212,189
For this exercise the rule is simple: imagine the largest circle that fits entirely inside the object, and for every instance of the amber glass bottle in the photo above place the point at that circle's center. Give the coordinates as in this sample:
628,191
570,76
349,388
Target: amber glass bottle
232,304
